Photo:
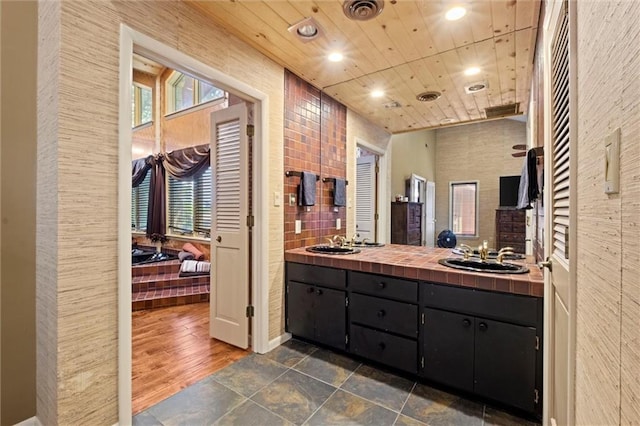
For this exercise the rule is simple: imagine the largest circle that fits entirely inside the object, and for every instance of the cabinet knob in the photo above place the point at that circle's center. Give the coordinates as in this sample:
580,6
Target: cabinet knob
466,322
310,290
318,292
382,345
483,326
381,313
382,284
219,239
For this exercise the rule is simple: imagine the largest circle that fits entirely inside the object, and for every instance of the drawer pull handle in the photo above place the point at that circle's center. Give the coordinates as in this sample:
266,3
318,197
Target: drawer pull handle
382,345
483,326
318,292
381,313
466,322
382,284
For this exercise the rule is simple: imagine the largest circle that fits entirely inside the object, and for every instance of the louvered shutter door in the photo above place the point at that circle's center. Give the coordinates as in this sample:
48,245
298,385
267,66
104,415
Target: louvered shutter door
560,138
227,195
140,204
365,197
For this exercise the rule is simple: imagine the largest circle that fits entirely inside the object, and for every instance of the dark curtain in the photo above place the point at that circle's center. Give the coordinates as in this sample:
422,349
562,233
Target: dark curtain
188,162
156,226
139,170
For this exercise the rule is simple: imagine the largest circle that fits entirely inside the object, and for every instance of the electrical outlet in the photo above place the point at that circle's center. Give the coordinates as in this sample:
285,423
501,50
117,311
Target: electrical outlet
276,199
292,199
298,226
338,223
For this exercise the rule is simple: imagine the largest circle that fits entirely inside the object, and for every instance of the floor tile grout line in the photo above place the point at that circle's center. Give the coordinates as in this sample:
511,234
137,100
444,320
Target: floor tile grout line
320,406
415,385
270,411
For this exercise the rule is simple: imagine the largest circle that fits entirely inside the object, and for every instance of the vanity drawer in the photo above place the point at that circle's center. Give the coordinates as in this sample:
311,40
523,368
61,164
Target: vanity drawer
500,306
320,275
394,351
383,286
384,314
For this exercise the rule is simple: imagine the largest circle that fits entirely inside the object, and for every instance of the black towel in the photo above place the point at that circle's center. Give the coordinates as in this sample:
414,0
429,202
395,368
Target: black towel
307,189
532,190
340,193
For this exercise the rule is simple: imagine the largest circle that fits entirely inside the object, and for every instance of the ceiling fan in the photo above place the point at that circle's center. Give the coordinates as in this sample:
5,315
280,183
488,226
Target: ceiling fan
522,150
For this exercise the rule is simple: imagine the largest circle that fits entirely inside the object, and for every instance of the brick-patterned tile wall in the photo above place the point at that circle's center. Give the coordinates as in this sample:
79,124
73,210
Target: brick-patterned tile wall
314,141
333,155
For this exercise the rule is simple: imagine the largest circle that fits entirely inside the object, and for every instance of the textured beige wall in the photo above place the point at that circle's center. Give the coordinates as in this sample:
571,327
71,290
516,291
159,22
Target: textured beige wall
18,180
78,140
360,129
413,152
608,288
482,152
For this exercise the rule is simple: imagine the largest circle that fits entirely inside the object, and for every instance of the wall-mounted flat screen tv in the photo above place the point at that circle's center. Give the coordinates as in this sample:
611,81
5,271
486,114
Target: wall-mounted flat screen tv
509,191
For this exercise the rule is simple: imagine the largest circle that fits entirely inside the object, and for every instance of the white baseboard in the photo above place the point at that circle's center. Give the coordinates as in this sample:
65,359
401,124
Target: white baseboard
31,421
274,343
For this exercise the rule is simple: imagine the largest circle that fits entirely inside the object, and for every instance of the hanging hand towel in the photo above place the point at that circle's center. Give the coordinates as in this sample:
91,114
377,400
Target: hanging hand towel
523,189
532,180
340,193
307,189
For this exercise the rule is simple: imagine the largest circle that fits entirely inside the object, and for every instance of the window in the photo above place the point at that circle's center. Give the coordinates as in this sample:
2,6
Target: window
185,92
463,208
189,206
141,104
140,204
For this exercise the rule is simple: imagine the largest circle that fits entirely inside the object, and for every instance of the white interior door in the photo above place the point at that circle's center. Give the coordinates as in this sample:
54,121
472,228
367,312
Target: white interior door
366,197
430,215
560,233
229,234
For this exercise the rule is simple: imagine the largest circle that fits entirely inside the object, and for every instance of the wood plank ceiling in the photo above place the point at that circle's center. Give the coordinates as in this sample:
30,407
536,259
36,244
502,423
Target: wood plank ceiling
407,49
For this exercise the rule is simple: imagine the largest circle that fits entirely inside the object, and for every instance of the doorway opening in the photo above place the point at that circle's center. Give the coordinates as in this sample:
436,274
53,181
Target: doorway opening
242,183
371,192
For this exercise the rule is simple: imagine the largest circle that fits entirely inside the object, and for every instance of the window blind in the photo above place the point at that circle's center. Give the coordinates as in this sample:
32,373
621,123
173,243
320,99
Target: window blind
140,204
189,206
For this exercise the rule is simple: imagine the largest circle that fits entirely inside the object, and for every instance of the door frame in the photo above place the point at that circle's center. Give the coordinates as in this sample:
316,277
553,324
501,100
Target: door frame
383,228
133,41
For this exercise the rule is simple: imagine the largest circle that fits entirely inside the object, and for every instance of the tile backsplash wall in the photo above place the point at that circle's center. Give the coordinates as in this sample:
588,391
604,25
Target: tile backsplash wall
314,141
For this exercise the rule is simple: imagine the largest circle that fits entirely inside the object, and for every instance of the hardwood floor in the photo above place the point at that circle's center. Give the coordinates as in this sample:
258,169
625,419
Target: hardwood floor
172,350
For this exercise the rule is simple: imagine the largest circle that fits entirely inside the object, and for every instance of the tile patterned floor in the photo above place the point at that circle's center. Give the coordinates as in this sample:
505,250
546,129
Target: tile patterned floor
298,384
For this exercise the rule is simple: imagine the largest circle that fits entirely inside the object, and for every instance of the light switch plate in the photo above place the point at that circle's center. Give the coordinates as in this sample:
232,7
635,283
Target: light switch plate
298,226
276,199
338,223
612,162
292,199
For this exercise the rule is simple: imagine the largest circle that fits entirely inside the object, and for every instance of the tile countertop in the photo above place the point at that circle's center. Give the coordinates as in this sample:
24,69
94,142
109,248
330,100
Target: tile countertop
415,262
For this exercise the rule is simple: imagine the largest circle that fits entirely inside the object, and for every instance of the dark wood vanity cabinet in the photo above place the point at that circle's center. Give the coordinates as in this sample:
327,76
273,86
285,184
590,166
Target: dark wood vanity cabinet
383,319
406,223
511,229
484,342
316,304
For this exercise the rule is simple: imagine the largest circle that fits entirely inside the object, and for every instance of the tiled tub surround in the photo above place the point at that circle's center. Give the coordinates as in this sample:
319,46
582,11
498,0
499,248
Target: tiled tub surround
421,263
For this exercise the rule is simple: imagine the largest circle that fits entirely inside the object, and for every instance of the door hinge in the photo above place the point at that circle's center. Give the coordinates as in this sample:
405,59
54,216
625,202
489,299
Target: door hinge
422,362
287,322
251,130
422,318
250,221
377,169
536,397
537,343
249,311
376,216
346,339
346,301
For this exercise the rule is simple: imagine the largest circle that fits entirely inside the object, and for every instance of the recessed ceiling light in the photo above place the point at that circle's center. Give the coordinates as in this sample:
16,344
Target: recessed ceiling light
455,13
472,71
377,94
306,30
335,56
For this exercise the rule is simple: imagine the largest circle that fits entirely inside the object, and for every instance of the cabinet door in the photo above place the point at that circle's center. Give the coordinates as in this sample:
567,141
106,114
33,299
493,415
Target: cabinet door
330,317
300,313
505,363
448,348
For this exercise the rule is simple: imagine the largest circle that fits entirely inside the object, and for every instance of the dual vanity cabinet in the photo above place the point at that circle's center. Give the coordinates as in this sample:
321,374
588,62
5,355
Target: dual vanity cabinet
482,342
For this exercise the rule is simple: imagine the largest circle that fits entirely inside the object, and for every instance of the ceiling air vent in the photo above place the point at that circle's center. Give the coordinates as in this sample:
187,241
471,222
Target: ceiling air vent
502,110
392,104
362,10
428,96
